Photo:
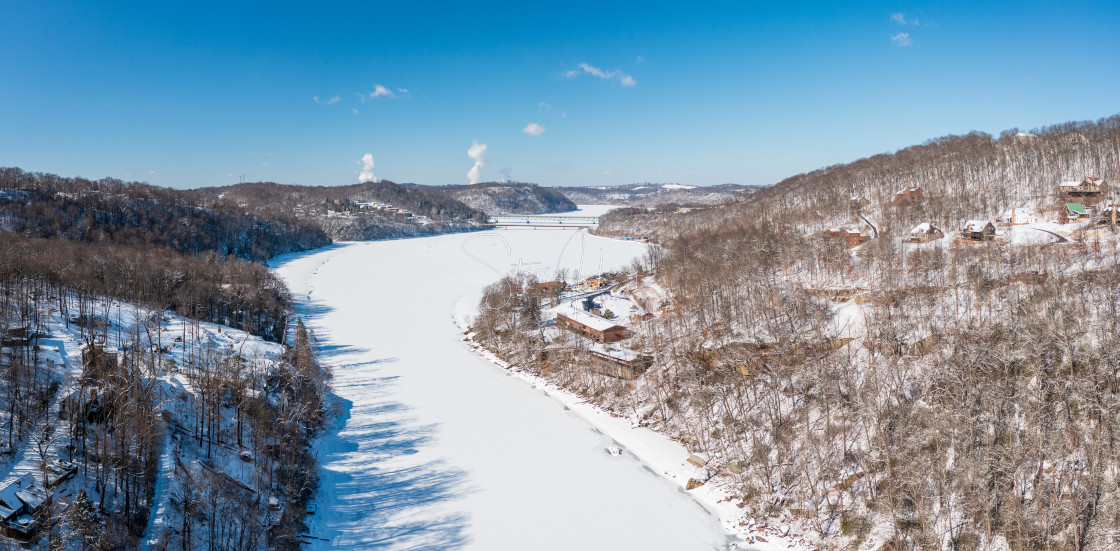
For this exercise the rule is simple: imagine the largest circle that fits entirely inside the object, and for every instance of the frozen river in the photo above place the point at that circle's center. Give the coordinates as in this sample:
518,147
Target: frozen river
438,448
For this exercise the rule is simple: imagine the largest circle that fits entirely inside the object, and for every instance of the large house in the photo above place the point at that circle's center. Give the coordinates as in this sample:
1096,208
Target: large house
599,329
978,230
925,232
620,362
908,195
852,237
1089,187
20,498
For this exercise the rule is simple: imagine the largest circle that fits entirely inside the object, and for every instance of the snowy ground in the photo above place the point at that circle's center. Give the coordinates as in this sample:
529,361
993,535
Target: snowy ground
438,447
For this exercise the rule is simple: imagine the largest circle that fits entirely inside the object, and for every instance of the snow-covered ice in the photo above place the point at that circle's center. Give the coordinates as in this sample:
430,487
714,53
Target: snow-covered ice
438,448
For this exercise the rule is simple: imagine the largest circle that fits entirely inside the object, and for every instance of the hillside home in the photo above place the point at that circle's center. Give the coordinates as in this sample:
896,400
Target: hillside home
924,232
1075,212
1089,187
593,327
619,362
1017,215
596,282
1109,215
908,196
20,499
978,230
852,237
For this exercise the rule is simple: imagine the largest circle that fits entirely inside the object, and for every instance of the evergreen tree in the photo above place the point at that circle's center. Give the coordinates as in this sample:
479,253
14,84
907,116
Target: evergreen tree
83,522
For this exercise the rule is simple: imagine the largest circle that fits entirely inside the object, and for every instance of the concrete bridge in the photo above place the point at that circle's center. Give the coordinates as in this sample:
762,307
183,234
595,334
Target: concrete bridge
543,220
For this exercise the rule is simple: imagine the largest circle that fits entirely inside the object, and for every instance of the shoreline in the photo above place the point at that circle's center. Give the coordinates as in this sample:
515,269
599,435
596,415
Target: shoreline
657,452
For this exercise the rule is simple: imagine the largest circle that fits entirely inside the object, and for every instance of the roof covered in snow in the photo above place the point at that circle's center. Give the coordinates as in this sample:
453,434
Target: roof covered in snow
615,351
977,225
585,318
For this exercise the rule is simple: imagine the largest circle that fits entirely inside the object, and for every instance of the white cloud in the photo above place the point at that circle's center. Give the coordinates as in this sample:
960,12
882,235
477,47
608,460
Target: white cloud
585,68
478,153
902,20
534,129
402,90
380,91
641,59
355,110
366,174
901,39
333,99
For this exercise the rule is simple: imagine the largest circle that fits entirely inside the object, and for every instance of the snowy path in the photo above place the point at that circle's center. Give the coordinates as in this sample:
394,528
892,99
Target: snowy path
440,449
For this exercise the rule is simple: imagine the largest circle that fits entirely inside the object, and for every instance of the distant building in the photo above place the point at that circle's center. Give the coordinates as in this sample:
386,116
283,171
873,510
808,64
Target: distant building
978,230
908,196
1089,187
1075,212
596,282
20,499
851,237
620,362
1110,215
925,232
590,326
1017,215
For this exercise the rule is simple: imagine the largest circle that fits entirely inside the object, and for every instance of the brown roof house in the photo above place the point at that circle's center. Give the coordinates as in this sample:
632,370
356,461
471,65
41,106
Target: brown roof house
599,329
908,196
978,230
1089,187
852,237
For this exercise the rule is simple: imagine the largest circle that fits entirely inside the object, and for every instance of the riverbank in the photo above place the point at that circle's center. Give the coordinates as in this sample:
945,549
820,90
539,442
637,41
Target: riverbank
439,448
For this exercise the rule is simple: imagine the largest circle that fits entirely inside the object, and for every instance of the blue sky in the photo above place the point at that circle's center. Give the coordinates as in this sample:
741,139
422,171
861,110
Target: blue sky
700,93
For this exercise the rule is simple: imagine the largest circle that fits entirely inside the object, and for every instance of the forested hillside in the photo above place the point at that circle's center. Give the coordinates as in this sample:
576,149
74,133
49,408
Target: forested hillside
371,210
873,385
511,198
655,195
133,213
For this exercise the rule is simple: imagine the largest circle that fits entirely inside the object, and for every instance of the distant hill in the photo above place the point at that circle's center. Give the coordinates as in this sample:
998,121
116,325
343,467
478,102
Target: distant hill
135,213
655,195
370,210
511,198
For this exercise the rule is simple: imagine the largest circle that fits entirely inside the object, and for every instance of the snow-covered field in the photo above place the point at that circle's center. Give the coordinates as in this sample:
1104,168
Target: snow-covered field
438,448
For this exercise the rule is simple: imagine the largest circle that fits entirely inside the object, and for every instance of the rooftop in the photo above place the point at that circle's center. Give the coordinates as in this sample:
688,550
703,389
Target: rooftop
585,318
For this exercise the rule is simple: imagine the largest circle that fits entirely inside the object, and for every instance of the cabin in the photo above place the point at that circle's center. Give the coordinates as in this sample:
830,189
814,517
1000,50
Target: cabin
852,237
616,361
593,327
1075,212
639,318
978,230
1089,187
924,232
20,499
908,196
